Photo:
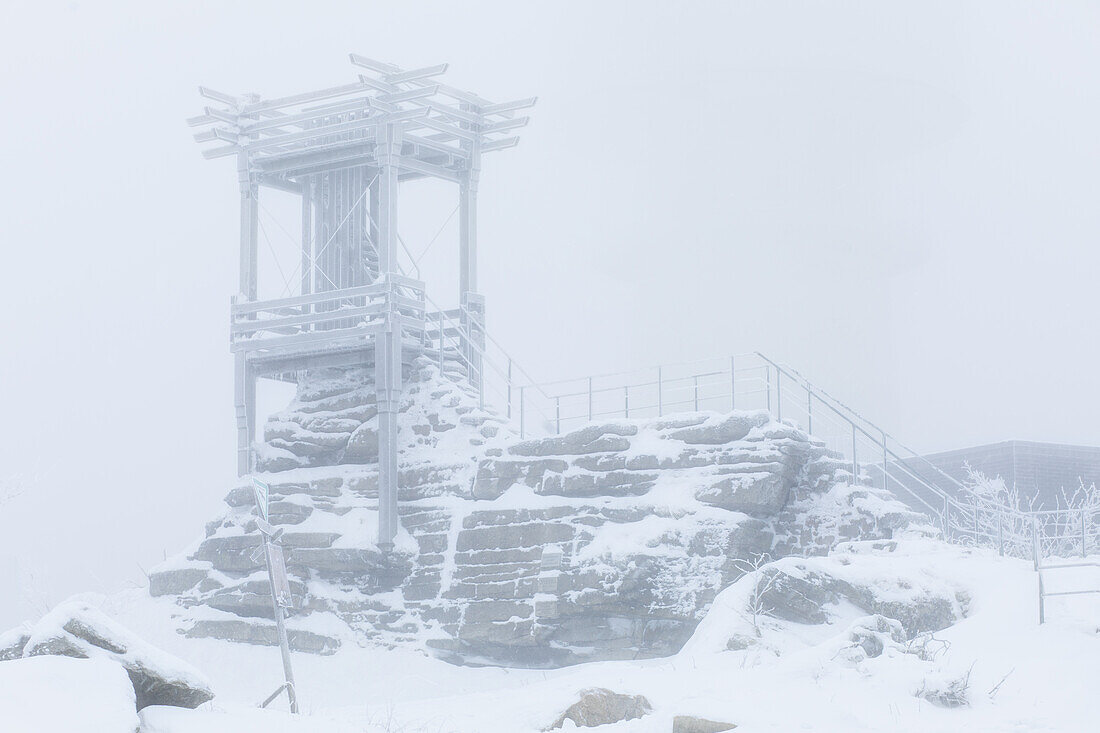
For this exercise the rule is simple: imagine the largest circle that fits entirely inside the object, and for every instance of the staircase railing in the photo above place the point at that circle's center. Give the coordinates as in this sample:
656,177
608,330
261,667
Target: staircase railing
753,381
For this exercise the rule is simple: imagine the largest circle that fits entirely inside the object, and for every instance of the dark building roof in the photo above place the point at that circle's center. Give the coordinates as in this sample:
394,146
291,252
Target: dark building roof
1040,470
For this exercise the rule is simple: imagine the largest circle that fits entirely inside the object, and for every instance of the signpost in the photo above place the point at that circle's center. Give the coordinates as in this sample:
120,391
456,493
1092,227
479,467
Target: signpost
280,587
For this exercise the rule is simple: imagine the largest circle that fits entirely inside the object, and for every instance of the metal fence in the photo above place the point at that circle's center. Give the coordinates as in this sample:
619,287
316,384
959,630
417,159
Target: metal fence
753,381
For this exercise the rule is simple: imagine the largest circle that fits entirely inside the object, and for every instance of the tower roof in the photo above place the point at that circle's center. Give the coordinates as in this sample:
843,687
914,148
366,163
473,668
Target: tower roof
443,129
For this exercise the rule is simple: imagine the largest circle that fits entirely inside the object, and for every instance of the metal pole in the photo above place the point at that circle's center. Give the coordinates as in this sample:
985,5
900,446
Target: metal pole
695,386
1084,552
946,518
1000,533
733,386
779,395
626,401
885,464
660,394
855,463
280,630
1042,605
509,388
1035,549
768,387
557,415
590,399
441,343
521,414
809,411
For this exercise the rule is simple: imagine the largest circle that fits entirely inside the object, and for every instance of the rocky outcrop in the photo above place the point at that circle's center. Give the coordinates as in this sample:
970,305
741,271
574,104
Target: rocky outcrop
804,594
606,542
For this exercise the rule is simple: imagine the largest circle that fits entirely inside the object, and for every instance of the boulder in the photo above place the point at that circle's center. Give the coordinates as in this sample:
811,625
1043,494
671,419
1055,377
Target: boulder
599,706
804,595
691,724
362,446
76,629
12,643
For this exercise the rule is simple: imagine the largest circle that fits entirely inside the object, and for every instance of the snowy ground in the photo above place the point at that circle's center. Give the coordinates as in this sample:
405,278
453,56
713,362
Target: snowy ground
1023,677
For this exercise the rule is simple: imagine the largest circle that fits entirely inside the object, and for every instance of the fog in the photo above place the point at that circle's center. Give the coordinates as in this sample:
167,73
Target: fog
898,200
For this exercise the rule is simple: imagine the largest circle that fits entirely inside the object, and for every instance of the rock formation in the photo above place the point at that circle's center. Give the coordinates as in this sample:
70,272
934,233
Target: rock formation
606,542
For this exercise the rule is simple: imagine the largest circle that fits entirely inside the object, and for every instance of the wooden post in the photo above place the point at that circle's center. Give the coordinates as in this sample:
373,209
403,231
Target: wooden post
307,239
387,349
250,212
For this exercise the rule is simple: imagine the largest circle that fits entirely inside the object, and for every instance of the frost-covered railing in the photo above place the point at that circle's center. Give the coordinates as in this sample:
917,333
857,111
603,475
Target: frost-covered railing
723,384
964,514
753,381
347,314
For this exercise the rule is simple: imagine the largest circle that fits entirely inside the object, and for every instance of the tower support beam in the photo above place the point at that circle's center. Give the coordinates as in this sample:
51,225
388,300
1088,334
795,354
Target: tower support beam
387,351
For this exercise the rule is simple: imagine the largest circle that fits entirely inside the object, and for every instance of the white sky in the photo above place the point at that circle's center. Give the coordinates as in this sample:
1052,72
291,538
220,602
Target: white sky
900,199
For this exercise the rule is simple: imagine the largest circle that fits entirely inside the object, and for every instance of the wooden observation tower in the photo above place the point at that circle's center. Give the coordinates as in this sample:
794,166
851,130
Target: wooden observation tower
345,151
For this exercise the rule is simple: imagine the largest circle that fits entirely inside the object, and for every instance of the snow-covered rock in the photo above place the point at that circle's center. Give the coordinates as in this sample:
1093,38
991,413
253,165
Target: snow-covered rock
598,706
608,541
78,630
47,694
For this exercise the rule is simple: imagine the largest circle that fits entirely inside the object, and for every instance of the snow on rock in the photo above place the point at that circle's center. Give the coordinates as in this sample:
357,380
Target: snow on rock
599,706
47,694
608,541
79,630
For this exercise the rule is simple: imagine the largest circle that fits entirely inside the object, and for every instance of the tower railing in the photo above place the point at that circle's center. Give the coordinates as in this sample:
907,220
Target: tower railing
325,317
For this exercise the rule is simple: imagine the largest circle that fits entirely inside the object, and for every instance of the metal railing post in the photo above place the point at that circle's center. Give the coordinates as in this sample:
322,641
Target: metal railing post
441,343
695,387
1000,533
660,394
1042,605
733,386
1084,535
1035,551
946,518
768,388
779,395
855,463
590,399
809,411
885,464
522,414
